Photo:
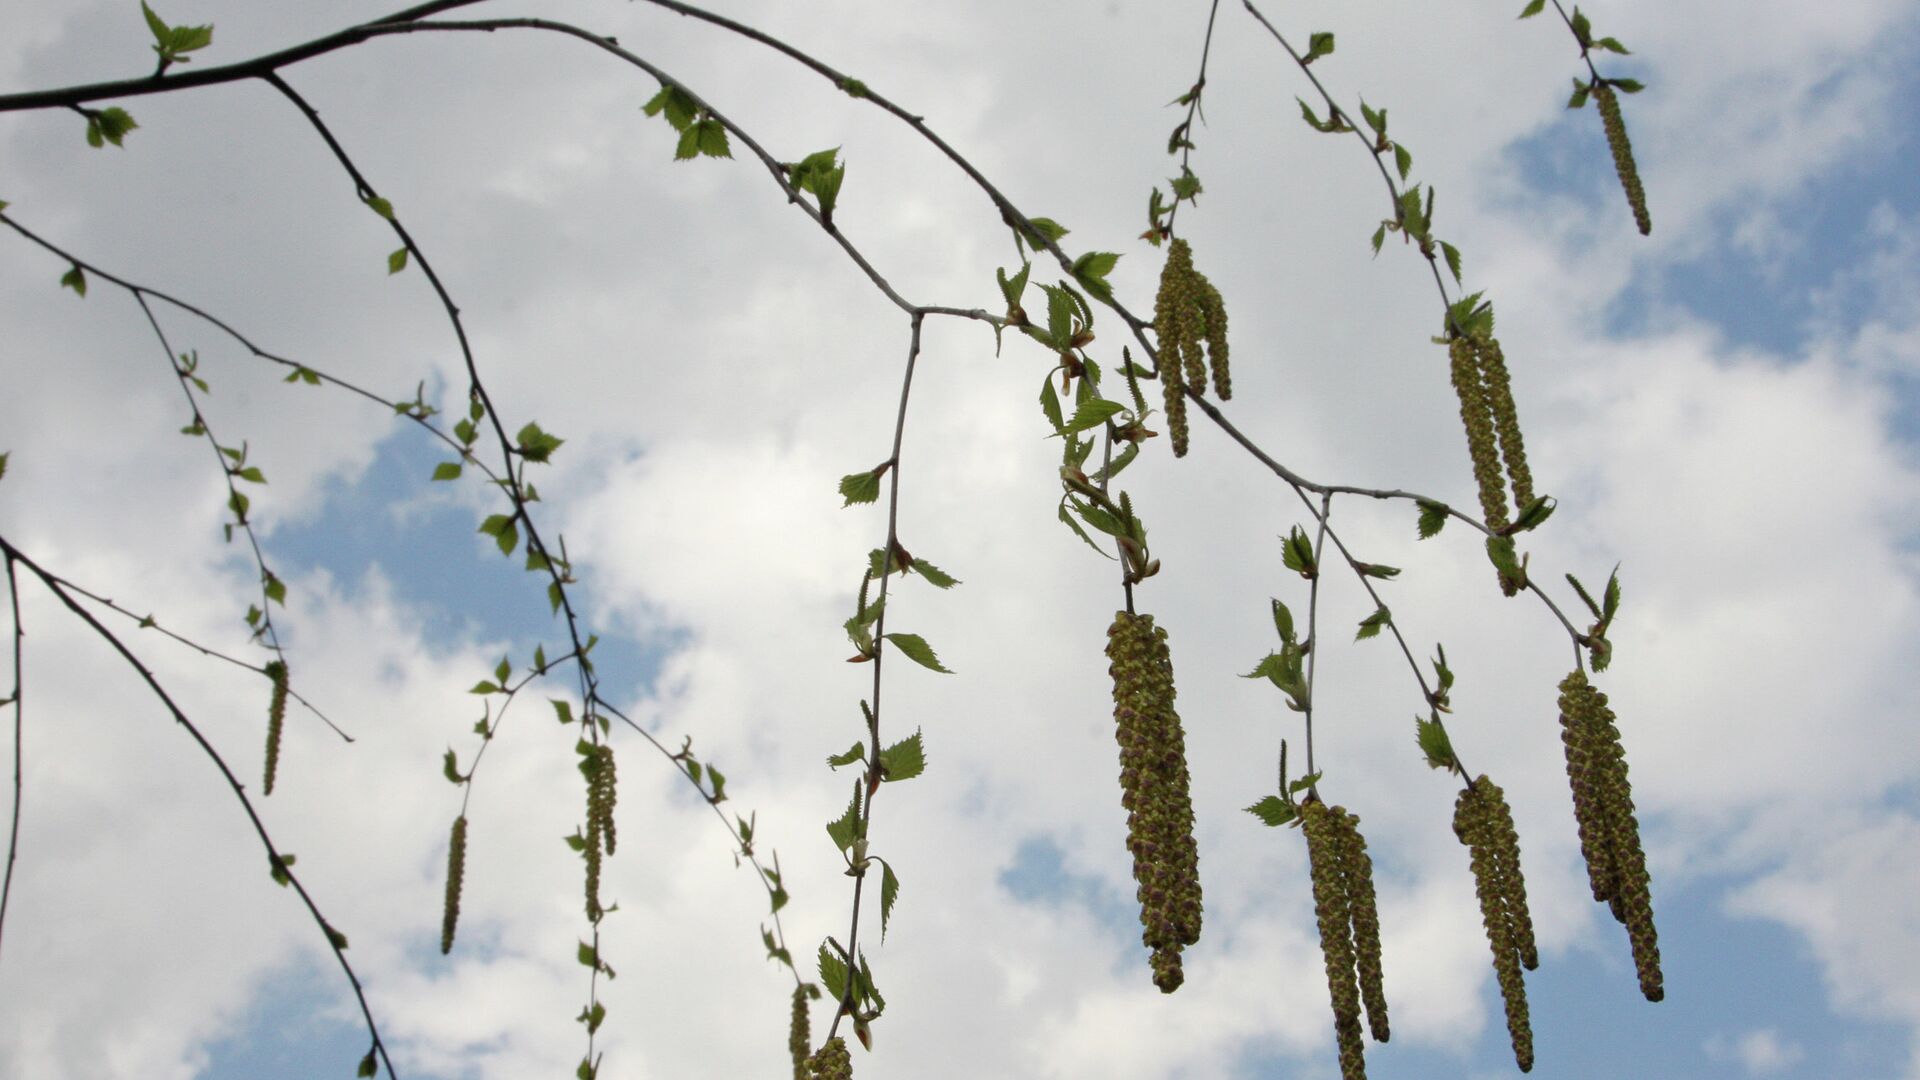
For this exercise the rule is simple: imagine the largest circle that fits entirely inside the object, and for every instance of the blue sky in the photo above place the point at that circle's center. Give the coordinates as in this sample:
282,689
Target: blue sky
1727,409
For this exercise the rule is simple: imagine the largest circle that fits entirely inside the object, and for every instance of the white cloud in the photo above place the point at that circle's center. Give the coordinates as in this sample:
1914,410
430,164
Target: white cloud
1761,1051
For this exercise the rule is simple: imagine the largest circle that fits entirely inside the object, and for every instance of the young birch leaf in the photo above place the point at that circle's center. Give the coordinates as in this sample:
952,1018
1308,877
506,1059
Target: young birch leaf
918,651
75,279
447,470
1067,519
1610,600
862,487
1283,621
935,576
903,760
450,768
833,974
1434,743
845,828
1272,810
889,892
1433,517
397,261
856,752
1370,626
1453,260
1320,43
1050,404
1534,7
369,1066
1092,414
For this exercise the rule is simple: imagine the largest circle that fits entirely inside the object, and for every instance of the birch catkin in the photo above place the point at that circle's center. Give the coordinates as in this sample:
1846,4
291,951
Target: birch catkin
831,1062
1609,832
1476,416
1154,789
1332,911
1188,312
1476,821
1366,921
456,870
1616,128
798,1038
1498,387
276,719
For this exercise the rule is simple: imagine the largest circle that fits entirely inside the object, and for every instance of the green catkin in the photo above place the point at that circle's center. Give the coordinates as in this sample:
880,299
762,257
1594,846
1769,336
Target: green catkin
1506,420
1576,735
1366,922
1154,787
456,872
595,839
1333,914
276,719
604,779
1215,310
1477,417
1168,327
1513,886
1474,822
798,1038
831,1062
1616,128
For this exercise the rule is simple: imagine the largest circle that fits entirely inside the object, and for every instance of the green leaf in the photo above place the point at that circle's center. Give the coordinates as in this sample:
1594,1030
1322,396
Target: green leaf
1584,595
485,686
708,137
1611,45
189,38
718,782
1582,28
1283,621
555,595
1093,414
1453,259
1091,269
1375,118
889,892
1050,405
588,956
593,1017
1379,237
109,125
1048,228
935,576
1610,600
1434,744
1319,44
397,260
1402,160
1297,553
1370,626
577,842
1376,570
903,760
275,589
1433,517
162,33
918,651
1534,7
678,105
562,709
1306,781
369,1066
1625,86
1580,92
833,974
854,88
1534,514
3,465
450,767
861,487
278,865
75,279
1273,810
447,470
380,206
856,752
845,828
536,445
251,474
1067,519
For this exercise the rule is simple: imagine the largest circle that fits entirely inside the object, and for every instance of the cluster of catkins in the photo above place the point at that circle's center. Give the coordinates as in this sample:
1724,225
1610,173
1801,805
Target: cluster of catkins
1154,791
798,1037
1481,381
1187,312
1609,834
1616,127
597,765
1483,822
456,870
831,1062
1343,903
276,718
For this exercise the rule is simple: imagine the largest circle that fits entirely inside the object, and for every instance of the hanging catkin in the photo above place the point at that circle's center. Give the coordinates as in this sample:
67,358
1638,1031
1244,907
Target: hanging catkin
798,1038
1477,818
456,870
1609,832
1154,789
276,719
831,1062
1616,128
1332,911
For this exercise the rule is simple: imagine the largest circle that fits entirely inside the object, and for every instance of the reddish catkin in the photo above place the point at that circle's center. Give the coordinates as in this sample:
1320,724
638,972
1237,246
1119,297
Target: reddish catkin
456,871
276,719
1616,128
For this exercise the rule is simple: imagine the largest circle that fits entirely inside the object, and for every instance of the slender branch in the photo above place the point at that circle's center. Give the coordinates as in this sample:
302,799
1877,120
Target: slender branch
274,856
1193,109
18,701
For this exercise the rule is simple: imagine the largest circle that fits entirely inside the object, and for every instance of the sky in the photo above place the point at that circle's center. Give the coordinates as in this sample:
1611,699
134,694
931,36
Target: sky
1729,410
